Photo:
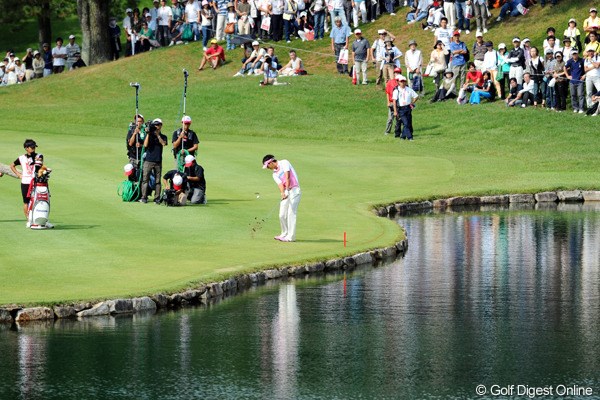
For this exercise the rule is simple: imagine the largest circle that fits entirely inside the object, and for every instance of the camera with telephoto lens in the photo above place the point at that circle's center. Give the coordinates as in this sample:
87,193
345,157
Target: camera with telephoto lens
168,197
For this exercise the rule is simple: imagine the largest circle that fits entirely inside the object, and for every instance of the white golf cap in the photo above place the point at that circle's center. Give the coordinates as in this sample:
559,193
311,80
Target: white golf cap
526,40
148,15
501,46
128,10
478,34
303,14
593,9
186,119
128,168
574,52
572,20
255,43
71,36
357,31
400,78
516,40
381,31
177,181
189,160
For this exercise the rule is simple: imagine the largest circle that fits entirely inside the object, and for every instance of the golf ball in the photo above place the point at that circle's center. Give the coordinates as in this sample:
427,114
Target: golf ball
258,196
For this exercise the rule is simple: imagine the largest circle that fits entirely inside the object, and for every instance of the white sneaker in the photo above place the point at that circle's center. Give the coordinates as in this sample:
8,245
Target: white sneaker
251,72
392,14
485,30
289,41
372,20
238,74
49,225
172,43
28,224
405,3
179,42
204,48
575,111
580,111
467,31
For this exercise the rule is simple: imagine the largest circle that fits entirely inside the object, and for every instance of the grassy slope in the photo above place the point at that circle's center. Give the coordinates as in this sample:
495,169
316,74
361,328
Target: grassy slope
330,131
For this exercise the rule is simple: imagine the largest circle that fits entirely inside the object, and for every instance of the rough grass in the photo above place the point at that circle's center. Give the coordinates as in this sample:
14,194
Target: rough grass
331,131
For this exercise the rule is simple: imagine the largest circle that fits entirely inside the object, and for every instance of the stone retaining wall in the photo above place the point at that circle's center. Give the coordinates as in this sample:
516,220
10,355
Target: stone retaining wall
205,294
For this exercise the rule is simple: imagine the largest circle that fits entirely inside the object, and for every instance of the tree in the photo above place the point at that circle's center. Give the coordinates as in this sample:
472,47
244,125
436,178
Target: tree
93,16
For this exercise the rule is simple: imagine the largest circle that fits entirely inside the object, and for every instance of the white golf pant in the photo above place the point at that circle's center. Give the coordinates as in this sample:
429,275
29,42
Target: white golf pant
287,213
221,19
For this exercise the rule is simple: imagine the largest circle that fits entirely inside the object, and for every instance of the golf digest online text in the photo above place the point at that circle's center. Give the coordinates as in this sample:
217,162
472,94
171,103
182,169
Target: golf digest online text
533,391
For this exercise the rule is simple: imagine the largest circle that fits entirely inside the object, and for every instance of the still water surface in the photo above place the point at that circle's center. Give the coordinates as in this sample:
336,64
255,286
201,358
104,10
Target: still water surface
493,298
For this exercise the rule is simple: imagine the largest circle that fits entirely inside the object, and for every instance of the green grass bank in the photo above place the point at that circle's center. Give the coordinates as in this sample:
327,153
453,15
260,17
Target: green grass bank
331,131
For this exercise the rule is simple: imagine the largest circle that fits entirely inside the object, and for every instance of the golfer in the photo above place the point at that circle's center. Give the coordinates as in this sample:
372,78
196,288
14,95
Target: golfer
287,180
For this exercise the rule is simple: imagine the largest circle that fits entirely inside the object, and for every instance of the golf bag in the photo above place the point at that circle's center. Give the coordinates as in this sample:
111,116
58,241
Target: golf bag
39,203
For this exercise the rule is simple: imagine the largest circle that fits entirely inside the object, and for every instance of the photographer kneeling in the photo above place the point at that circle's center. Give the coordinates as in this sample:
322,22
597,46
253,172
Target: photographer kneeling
196,182
175,183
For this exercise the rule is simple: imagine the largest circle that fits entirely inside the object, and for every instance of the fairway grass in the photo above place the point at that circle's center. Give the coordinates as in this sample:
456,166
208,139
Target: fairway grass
332,133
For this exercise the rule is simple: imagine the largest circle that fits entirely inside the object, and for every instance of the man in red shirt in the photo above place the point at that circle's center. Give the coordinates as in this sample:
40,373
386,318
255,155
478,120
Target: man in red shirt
389,91
215,55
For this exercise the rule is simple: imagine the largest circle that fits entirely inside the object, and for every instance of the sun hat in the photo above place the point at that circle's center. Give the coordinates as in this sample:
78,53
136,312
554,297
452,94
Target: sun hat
381,31
214,41
128,168
177,181
186,119
35,53
478,34
449,71
189,160
573,20
548,51
411,42
593,9
255,43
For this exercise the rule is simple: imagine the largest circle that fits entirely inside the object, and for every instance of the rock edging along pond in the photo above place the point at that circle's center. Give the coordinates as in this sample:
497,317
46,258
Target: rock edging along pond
203,294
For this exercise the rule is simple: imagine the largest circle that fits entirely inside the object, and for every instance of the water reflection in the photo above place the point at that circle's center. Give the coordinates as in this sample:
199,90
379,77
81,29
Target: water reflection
497,297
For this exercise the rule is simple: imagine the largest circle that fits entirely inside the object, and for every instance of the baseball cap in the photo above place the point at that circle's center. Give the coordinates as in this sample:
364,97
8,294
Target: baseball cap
381,31
267,159
489,44
17,59
213,41
141,116
303,14
186,119
478,34
593,9
516,39
204,2
357,31
400,78
129,10
456,33
148,15
526,40
397,70
71,36
189,160
128,168
574,52
591,49
177,181
157,121
255,43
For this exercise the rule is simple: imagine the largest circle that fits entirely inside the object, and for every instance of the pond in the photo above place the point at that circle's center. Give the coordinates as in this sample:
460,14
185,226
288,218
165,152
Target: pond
493,298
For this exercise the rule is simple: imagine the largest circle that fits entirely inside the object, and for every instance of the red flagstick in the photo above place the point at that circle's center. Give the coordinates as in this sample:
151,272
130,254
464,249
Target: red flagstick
344,239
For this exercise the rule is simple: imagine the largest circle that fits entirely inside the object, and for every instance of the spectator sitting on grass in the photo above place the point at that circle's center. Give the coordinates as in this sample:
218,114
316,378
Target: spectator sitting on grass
435,14
215,55
524,96
487,91
473,81
294,67
304,28
514,8
2,74
253,61
421,12
79,63
146,37
447,88
513,91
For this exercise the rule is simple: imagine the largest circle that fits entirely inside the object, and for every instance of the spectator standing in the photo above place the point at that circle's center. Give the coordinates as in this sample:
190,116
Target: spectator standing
206,18
289,15
72,48
378,49
516,58
503,69
592,75
413,59
48,60
461,15
574,72
277,19
231,18
191,12
572,32
38,65
479,50
458,50
114,35
550,43
404,101
360,55
561,88
481,13
221,9
243,10
567,47
591,24
359,6
28,63
438,61
490,64
339,35
59,57
317,9
536,68
338,12
155,10
164,18
549,93
391,61
450,15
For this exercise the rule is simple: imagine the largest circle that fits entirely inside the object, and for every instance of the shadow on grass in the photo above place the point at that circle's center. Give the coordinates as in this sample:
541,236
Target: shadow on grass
224,201
72,227
320,241
12,220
